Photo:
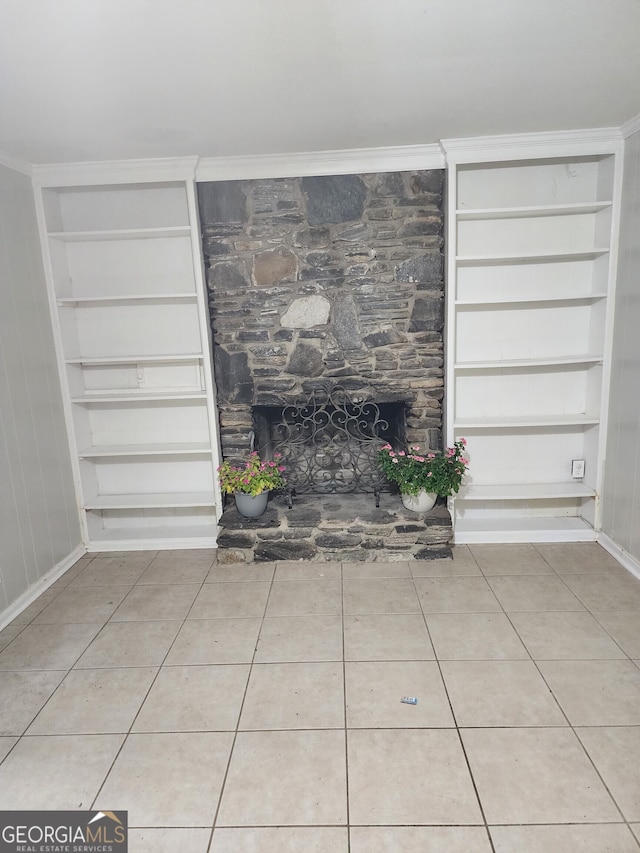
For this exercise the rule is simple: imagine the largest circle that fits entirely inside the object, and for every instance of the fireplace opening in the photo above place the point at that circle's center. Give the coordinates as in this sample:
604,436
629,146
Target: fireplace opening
329,442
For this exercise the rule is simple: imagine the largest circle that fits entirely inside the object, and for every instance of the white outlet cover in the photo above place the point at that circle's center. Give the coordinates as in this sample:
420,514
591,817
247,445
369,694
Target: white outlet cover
577,469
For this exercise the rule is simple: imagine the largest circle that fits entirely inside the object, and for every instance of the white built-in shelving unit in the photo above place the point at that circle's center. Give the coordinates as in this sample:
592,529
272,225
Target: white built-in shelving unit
531,266
122,257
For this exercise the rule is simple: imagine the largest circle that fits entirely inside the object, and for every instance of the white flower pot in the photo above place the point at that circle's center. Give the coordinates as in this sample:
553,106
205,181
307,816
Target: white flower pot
422,502
251,506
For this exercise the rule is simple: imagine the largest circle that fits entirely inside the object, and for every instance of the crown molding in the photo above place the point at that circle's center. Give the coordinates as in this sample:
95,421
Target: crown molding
314,163
115,172
16,164
605,140
339,162
631,126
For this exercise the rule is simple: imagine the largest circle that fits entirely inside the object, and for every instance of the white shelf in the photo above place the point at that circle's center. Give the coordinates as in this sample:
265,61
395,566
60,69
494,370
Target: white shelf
534,210
136,396
135,298
529,326
118,450
526,421
134,359
120,234
524,529
531,257
525,492
524,301
516,363
150,538
129,313
168,500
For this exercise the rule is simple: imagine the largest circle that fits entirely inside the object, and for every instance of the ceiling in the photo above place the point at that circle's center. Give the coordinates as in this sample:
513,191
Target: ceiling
118,79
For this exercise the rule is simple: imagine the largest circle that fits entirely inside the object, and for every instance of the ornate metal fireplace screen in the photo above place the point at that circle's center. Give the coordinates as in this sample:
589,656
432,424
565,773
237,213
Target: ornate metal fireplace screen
329,442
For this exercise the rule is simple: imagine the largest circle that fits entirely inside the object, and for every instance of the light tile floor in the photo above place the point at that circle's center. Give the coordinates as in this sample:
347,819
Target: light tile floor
240,709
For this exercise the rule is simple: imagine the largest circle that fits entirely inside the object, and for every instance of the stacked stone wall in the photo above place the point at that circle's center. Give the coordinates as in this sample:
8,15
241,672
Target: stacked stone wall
326,278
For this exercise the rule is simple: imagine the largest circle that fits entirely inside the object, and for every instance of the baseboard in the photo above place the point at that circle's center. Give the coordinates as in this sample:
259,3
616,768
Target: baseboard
623,557
29,595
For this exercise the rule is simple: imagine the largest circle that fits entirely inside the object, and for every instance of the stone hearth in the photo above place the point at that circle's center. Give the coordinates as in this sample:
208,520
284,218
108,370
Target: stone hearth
347,528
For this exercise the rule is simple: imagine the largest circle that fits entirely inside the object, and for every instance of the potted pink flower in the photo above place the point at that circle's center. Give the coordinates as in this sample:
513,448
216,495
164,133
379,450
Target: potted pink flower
421,476
251,483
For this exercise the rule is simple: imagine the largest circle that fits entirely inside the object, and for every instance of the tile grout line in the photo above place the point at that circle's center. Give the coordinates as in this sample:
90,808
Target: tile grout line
622,821
570,725
577,736
240,710
455,721
66,671
344,703
586,606
517,633
70,669
154,679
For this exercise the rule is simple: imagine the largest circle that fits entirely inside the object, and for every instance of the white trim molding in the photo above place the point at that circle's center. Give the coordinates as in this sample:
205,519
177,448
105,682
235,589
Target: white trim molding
245,167
400,158
521,146
623,557
397,158
339,162
16,164
631,126
115,172
35,590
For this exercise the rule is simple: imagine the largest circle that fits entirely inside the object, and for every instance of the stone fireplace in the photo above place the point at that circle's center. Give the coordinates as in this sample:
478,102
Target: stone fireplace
329,442
322,280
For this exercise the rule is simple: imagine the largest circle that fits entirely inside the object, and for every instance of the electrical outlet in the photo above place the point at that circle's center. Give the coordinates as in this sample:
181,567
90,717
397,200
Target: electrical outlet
577,469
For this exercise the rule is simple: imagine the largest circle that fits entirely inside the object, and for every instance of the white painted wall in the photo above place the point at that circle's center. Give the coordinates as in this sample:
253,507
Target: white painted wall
39,526
621,497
